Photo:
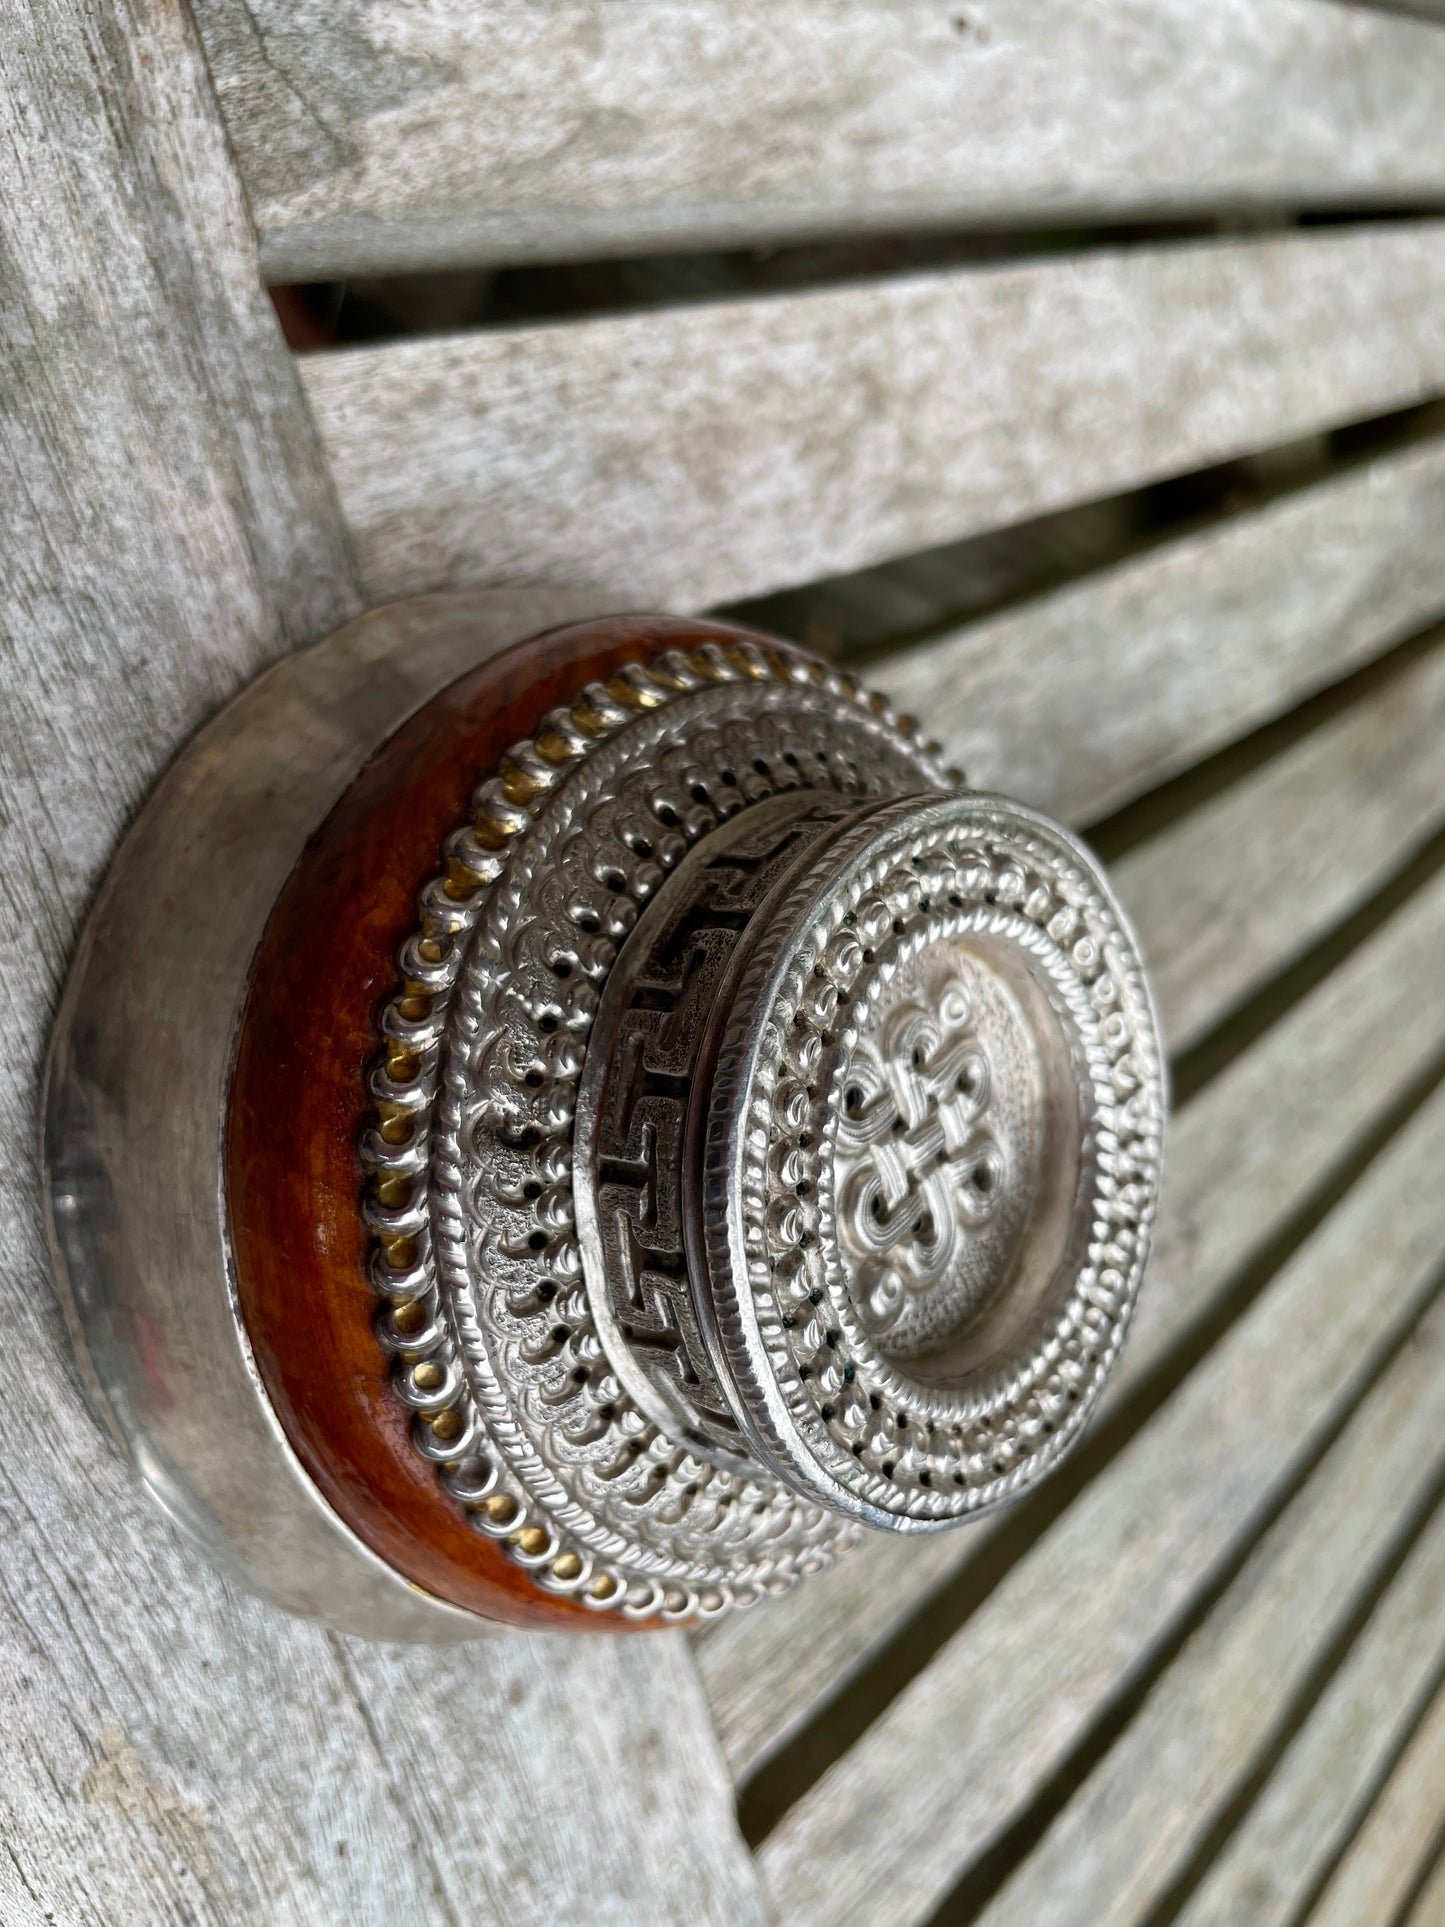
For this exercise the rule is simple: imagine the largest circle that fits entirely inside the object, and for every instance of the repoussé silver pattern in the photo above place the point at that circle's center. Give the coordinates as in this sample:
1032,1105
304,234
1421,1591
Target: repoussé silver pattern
918,1171
542,1441
965,882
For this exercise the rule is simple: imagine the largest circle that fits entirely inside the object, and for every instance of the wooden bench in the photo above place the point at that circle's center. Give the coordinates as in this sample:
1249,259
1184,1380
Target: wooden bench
1200,1675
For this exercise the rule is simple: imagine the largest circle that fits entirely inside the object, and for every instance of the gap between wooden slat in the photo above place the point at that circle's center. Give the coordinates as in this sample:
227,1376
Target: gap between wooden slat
1305,1111
709,453
1191,1070
366,310
375,134
1424,1905
1274,1853
1247,759
1080,699
1328,833
1074,1776
936,594
1376,1879
1124,1576
1253,875
1119,1835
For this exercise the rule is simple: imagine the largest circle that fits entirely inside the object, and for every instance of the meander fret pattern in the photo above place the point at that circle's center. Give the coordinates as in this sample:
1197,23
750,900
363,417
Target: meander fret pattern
646,1053
519,1405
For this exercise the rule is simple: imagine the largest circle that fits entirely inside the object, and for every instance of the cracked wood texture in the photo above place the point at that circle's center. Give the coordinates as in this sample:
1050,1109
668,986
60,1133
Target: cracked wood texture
174,1751
379,135
707,453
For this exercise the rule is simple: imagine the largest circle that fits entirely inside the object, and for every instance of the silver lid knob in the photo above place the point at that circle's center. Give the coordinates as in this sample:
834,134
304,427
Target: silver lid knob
878,1091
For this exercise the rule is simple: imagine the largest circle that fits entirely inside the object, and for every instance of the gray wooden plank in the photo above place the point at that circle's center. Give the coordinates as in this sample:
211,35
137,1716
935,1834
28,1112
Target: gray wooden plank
1254,1143
1249,879
1114,1852
383,134
1078,1616
1082,698
552,1774
701,454
1428,1909
1314,1796
1378,1872
174,1752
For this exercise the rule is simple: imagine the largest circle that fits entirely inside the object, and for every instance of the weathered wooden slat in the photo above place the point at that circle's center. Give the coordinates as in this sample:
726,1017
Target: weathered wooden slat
548,1770
1116,1850
1428,1909
1377,1874
1247,881
962,1750
1315,1794
174,1752
1087,696
385,136
1241,1157
701,454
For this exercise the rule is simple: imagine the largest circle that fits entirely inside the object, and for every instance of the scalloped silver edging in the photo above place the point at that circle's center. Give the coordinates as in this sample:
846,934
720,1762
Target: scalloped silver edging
831,1412
475,1253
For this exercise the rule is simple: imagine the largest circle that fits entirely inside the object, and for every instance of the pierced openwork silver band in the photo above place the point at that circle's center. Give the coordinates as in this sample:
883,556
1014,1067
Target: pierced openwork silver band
784,1138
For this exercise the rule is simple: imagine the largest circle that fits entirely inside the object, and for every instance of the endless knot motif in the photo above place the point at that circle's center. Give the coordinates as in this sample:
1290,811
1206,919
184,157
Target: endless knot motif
1048,1061
918,1169
518,1401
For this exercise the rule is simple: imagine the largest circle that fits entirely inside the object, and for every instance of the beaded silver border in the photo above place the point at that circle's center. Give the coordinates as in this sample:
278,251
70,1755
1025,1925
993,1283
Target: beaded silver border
436,1345
878,1442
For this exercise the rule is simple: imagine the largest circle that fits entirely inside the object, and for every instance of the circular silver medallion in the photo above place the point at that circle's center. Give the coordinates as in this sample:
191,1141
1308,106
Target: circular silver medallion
929,1125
